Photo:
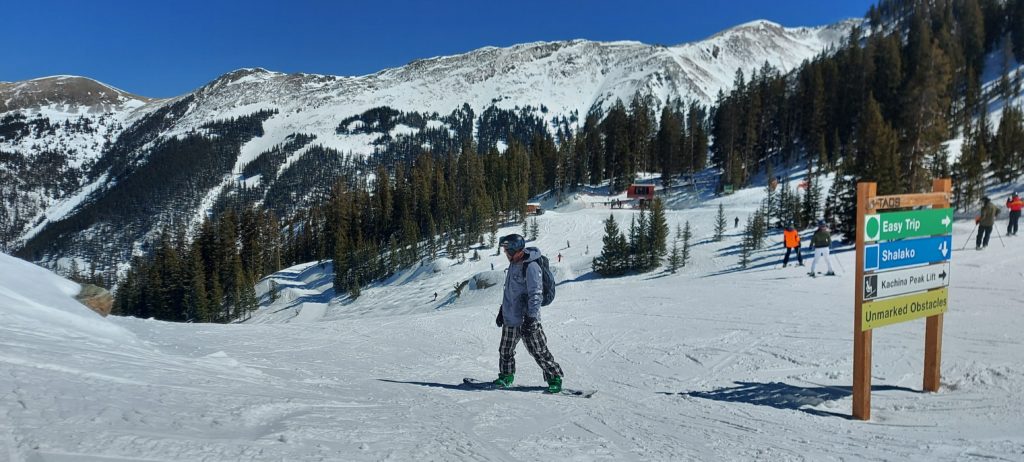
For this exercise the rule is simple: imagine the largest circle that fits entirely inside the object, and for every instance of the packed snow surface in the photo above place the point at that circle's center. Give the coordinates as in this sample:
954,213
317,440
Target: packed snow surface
711,363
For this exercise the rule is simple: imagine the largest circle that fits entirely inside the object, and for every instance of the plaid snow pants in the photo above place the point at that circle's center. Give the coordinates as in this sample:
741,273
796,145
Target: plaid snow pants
536,344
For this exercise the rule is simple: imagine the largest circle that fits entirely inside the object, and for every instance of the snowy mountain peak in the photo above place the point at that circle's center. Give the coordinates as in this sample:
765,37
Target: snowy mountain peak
245,74
68,92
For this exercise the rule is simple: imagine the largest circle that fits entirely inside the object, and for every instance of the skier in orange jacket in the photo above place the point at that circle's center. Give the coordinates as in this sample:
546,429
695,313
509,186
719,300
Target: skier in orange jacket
1015,204
791,238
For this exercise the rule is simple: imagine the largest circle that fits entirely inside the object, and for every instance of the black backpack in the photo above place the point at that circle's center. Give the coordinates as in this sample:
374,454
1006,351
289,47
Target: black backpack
546,276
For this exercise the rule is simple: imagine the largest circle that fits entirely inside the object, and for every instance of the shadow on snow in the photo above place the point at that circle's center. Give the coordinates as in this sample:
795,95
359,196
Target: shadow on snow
785,396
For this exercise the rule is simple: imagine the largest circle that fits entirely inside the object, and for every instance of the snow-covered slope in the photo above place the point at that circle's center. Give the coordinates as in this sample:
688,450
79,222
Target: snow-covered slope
711,363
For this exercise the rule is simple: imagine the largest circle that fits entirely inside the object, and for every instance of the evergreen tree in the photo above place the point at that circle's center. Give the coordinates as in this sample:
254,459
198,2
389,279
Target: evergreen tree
215,306
641,128
1007,155
925,103
720,223
643,249
758,229
675,257
686,236
968,184
878,148
196,299
534,229
658,231
696,138
747,244
841,205
666,145
613,260
249,300
812,196
770,203
620,160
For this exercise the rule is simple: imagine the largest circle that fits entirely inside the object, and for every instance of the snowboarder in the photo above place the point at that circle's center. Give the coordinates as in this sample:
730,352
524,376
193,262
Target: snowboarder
821,242
435,296
986,219
1015,204
791,239
519,315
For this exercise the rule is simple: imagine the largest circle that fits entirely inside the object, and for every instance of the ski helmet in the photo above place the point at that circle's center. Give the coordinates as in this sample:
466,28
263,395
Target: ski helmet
512,243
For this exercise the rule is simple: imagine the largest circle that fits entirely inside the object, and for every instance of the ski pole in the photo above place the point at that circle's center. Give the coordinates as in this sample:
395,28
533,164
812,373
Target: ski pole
969,236
1000,236
840,261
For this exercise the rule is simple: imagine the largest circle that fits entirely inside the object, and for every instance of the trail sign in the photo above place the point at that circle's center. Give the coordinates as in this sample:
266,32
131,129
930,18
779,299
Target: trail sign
897,254
895,263
905,281
899,309
903,225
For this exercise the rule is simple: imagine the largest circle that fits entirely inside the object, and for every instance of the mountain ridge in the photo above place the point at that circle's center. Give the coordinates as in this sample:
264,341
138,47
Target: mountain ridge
558,82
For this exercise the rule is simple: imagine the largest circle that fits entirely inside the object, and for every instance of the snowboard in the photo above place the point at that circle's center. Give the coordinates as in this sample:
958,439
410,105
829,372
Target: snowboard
489,385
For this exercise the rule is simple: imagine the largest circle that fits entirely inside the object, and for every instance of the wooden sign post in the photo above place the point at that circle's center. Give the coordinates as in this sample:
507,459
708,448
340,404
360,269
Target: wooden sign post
918,239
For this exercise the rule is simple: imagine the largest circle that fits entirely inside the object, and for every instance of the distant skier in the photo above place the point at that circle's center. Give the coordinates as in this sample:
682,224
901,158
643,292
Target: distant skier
1015,204
559,257
519,315
435,296
821,242
736,223
567,245
791,239
986,219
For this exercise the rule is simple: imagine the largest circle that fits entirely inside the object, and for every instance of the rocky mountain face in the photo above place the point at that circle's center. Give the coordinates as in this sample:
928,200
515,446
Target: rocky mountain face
89,172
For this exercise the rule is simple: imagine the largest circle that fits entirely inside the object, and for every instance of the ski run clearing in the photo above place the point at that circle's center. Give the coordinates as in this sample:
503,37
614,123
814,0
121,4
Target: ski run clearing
711,363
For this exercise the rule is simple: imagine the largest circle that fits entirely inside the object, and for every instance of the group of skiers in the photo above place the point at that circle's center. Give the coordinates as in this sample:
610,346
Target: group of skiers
986,219
821,243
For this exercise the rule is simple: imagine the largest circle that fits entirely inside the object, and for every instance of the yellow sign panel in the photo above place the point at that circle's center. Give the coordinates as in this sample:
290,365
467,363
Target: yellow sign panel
883,312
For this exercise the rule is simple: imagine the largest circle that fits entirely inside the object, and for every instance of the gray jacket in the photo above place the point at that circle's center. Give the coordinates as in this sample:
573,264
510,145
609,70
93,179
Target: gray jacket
523,294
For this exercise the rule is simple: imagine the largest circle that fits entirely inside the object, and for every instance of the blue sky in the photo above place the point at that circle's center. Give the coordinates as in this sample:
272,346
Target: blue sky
167,48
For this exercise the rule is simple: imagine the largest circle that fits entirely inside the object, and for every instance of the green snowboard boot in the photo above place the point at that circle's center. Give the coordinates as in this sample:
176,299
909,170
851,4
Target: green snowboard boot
504,380
555,385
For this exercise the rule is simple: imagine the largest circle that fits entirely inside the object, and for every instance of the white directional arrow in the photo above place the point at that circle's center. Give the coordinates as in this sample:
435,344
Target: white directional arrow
946,221
943,248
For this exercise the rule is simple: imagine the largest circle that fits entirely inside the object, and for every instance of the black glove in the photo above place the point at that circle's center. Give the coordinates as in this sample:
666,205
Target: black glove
500,320
529,324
